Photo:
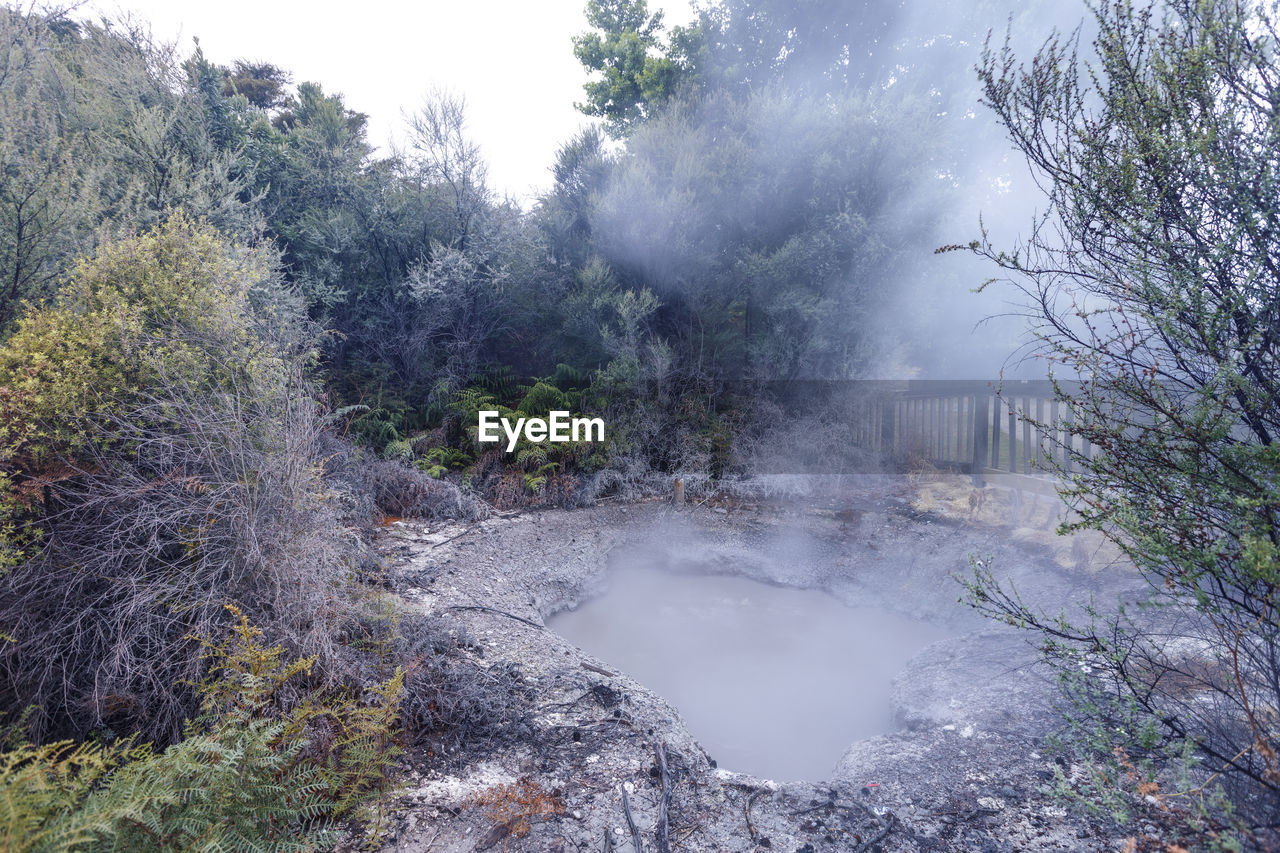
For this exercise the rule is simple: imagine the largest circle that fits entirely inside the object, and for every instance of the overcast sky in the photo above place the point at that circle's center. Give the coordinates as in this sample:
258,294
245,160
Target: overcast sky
512,60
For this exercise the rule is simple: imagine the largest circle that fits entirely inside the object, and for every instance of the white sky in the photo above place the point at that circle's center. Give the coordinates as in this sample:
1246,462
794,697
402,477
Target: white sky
511,59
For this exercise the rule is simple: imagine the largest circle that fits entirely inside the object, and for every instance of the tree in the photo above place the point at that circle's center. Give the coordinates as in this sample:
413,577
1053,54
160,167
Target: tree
818,45
445,158
1155,275
262,84
769,225
626,49
102,129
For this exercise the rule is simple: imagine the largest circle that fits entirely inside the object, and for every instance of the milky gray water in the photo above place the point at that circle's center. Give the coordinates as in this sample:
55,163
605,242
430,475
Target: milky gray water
771,681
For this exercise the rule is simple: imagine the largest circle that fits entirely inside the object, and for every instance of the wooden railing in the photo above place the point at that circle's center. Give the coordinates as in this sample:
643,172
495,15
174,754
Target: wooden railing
988,429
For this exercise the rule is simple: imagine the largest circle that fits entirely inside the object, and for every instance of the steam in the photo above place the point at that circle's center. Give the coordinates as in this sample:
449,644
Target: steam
738,165
772,681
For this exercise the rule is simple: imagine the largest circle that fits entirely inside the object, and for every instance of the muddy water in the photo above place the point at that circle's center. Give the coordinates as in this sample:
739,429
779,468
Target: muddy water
772,681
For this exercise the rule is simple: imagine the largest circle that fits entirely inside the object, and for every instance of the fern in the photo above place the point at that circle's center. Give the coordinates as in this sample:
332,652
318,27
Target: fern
237,788
364,750
344,414
42,788
398,449
532,456
241,787
515,807
541,400
499,380
438,460
567,377
249,775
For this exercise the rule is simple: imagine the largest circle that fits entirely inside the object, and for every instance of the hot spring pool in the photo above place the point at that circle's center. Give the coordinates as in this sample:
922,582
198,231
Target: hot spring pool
772,681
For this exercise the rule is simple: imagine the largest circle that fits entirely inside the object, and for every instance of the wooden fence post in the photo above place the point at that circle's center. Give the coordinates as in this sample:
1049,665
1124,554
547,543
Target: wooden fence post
994,461
981,416
1013,438
887,408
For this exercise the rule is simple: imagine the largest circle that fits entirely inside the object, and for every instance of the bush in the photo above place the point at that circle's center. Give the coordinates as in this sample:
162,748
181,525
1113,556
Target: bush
398,490
1154,276
164,455
247,776
448,700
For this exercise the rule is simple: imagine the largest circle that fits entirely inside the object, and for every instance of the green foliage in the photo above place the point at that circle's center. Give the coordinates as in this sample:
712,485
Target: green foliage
499,380
162,448
43,789
398,449
233,789
249,775
767,225
239,787
437,461
1153,276
351,737
626,50
542,399
102,131
261,83
566,377
819,45
173,305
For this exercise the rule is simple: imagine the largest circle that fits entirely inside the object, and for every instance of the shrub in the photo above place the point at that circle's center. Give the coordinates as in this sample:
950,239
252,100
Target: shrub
164,455
1153,276
249,775
402,491
448,700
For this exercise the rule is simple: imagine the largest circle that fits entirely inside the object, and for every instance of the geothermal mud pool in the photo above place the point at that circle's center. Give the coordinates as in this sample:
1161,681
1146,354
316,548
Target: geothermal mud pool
817,653
772,681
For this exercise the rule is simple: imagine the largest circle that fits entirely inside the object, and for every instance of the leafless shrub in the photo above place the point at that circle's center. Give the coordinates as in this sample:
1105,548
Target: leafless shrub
193,498
396,489
450,700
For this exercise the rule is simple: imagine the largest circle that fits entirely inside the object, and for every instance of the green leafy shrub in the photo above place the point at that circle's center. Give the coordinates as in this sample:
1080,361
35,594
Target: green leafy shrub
171,305
351,736
541,400
254,772
165,455
1149,278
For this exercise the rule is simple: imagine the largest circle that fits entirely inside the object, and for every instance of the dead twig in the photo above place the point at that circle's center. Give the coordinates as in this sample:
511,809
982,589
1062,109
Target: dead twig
599,670
878,837
854,807
661,832
746,810
574,701
828,804
484,609
453,537
631,824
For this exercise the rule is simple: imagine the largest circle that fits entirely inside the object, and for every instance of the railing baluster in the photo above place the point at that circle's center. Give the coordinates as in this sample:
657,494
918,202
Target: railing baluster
1026,435
1040,433
1013,438
995,434
966,425
981,420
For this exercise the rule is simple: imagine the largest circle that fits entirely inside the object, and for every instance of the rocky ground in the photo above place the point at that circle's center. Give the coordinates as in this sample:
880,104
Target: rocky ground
966,771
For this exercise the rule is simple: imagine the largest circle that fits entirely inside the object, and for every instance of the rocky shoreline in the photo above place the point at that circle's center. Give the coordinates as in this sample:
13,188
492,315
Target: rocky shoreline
965,772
